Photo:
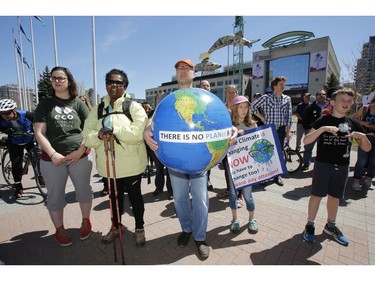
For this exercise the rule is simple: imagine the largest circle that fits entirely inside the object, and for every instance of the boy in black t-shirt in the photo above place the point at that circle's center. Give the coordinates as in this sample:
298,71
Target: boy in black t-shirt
334,134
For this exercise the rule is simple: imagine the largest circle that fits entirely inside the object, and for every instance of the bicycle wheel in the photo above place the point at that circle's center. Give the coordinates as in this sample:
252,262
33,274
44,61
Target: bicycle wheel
293,160
34,155
6,167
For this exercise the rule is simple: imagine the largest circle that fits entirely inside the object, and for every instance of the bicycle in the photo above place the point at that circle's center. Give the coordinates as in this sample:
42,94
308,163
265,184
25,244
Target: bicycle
30,157
293,159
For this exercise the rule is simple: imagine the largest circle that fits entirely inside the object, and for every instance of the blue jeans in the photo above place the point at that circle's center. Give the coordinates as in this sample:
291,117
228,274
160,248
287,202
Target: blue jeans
192,214
247,195
307,153
365,159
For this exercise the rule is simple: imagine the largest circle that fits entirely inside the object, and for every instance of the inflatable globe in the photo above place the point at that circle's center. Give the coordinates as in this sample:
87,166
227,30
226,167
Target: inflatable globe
192,128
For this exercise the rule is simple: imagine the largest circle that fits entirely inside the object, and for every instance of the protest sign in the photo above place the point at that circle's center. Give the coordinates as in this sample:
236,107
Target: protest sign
256,156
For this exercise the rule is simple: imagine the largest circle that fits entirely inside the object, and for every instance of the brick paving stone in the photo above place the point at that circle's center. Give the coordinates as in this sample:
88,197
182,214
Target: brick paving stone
27,233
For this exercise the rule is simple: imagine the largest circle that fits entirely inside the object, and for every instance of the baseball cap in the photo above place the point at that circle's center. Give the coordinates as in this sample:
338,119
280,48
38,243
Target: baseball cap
307,94
239,99
187,61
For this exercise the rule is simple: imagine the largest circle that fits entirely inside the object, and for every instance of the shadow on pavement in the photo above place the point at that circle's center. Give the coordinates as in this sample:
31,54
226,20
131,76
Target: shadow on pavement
293,251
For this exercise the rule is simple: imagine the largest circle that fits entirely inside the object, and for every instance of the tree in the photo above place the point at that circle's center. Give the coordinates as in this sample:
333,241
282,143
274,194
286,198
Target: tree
332,84
44,85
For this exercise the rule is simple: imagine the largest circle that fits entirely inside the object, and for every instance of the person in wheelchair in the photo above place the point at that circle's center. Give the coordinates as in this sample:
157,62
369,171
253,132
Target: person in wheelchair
18,125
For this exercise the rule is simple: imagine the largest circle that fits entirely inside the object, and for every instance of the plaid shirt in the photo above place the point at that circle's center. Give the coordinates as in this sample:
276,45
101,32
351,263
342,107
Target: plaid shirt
276,110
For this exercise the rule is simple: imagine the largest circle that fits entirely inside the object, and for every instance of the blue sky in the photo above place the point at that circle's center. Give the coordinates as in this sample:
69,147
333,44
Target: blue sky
146,47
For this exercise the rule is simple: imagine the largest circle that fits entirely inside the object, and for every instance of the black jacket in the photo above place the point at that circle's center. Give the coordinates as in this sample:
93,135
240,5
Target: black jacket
312,112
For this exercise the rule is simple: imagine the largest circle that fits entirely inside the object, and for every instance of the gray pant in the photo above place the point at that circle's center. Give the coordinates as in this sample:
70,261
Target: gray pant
57,177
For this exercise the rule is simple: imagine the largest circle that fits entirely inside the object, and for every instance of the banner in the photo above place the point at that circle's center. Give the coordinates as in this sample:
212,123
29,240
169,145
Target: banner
256,156
318,61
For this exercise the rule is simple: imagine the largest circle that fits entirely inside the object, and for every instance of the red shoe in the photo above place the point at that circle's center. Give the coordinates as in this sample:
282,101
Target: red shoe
85,229
62,237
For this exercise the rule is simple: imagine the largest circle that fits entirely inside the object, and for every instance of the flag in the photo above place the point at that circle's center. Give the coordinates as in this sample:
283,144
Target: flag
27,37
25,62
18,47
40,19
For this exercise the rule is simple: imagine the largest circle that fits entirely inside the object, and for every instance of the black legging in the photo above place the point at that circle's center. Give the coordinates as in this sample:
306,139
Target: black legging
16,153
132,186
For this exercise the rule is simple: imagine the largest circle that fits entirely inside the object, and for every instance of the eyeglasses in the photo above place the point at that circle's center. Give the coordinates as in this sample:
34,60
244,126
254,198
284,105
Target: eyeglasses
6,113
114,82
184,68
58,79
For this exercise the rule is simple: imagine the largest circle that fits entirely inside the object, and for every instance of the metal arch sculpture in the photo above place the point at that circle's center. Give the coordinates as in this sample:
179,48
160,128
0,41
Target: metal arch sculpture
286,39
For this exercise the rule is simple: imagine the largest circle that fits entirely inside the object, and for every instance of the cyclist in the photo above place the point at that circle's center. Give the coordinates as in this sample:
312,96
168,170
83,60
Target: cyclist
18,125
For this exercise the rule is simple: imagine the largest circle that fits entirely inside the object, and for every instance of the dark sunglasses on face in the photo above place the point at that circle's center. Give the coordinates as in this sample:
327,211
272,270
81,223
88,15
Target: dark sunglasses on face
114,82
6,113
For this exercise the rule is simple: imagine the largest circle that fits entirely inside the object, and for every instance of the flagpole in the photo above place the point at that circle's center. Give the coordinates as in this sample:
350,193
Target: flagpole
54,40
17,65
34,64
23,95
94,61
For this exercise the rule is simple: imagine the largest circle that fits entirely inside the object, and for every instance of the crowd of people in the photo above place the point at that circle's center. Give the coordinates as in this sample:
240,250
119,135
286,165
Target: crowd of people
67,127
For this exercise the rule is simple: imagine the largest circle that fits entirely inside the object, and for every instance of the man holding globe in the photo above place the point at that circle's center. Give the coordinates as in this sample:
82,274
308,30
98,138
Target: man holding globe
192,214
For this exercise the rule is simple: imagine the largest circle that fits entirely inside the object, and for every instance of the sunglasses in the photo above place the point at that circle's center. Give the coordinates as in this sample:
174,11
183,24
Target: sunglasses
114,82
6,113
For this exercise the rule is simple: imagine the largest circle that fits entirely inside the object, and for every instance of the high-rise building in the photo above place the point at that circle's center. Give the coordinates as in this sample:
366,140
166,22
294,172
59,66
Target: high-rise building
10,91
365,71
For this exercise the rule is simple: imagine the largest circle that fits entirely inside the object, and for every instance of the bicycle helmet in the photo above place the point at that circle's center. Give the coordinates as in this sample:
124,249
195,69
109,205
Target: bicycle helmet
7,104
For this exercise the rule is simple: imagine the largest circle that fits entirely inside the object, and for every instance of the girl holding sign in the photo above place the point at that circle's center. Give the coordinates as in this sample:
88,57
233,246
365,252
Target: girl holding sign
241,118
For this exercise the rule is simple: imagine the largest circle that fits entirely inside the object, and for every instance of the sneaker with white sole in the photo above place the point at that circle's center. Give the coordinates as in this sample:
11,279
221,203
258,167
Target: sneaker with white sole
336,235
309,233
356,186
367,182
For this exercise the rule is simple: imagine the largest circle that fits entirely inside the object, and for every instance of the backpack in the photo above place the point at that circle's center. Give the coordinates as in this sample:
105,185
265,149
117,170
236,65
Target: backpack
125,109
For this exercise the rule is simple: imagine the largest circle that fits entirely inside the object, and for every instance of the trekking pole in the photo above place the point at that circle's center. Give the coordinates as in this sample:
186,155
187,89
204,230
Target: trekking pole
106,142
112,144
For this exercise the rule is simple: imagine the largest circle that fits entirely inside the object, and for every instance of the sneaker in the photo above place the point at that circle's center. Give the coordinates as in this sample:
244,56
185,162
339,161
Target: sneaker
108,238
203,249
235,226
183,239
305,167
279,181
253,226
62,237
104,192
140,239
337,235
367,182
85,229
309,233
356,186
18,190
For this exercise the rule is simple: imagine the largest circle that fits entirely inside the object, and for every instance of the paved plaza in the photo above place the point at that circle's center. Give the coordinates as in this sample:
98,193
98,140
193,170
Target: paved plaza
27,233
